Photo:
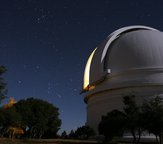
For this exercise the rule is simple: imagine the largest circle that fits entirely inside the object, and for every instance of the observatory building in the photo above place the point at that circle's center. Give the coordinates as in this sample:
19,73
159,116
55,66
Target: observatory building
128,61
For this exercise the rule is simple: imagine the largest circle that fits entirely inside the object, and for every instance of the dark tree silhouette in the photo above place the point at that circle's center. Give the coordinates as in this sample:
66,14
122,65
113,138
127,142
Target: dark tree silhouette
64,135
84,132
3,89
116,122
9,117
39,118
153,117
133,114
112,125
71,134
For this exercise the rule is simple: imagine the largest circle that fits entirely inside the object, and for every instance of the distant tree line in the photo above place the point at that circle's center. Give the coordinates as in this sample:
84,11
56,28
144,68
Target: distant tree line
83,132
30,118
134,119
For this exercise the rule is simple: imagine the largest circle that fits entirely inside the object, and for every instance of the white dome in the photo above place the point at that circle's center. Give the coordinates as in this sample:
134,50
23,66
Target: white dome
127,49
128,61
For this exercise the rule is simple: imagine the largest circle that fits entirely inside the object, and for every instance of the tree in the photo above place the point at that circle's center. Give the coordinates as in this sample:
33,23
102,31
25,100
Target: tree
64,134
84,132
12,117
9,118
39,118
3,89
138,118
153,116
71,134
116,122
112,125
2,122
133,117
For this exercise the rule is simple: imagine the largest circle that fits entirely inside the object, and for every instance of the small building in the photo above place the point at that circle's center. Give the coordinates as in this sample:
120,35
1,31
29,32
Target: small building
128,61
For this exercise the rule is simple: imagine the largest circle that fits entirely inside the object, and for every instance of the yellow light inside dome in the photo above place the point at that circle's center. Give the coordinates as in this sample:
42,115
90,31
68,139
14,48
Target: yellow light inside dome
87,72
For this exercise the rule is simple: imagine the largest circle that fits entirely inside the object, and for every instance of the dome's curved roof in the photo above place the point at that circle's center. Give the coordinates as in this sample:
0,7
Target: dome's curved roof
133,47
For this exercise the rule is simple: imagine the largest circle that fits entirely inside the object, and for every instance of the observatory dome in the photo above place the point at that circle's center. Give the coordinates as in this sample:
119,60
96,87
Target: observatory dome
123,55
129,60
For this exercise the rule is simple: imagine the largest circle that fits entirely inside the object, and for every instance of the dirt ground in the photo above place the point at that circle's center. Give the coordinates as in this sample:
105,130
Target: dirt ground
44,141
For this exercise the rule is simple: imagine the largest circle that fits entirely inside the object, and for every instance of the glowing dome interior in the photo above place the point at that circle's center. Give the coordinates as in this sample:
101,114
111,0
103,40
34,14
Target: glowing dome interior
87,71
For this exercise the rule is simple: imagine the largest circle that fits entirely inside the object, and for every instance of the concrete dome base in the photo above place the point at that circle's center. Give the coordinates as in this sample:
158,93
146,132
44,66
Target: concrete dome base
101,103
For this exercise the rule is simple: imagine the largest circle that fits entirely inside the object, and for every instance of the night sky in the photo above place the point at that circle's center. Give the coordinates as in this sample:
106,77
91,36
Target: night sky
45,45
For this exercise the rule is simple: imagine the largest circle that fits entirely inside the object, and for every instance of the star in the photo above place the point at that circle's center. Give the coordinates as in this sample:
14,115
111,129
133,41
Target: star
49,92
24,66
38,20
59,96
66,22
79,23
37,67
19,81
75,90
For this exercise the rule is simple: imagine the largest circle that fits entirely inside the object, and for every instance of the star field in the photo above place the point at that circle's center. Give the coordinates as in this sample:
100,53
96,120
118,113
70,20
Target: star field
45,45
